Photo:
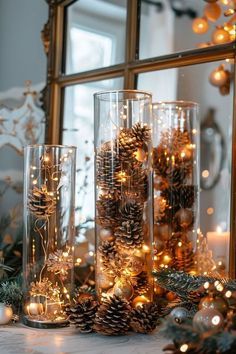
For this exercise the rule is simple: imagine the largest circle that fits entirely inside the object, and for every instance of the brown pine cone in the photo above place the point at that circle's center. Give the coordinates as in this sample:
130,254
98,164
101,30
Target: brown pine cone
132,211
141,285
172,196
184,257
40,203
107,251
108,168
144,319
141,134
107,209
187,196
127,145
130,234
82,315
113,317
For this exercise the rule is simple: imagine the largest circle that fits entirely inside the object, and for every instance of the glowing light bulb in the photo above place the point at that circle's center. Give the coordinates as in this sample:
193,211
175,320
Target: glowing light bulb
215,320
183,348
200,25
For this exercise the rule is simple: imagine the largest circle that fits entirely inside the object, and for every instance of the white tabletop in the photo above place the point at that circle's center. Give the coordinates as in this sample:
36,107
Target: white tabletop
24,340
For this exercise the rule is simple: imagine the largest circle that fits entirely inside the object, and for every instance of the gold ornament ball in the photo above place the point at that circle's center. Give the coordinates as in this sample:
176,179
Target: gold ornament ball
171,296
208,319
220,36
6,314
158,290
123,289
106,235
212,11
135,265
219,76
158,247
216,303
139,301
162,232
184,217
105,281
200,25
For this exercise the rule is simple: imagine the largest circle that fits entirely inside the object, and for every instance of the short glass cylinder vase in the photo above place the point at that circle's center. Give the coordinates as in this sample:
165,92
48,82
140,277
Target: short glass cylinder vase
176,186
124,223
48,259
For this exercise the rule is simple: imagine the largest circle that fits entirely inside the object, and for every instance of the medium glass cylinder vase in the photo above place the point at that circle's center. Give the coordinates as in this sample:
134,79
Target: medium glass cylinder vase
176,185
124,223
48,260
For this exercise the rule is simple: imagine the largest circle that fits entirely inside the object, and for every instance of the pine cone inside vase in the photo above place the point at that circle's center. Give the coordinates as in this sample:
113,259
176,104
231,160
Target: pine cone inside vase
187,196
107,251
132,211
40,203
141,134
130,234
108,167
184,257
141,285
113,317
107,208
127,145
82,315
144,319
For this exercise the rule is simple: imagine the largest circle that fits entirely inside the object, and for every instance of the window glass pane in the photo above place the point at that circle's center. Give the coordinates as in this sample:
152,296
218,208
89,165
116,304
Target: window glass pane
95,35
195,83
78,130
169,26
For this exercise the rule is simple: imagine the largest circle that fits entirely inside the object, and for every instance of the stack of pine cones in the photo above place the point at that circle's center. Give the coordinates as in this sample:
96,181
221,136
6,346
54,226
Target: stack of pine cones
113,317
173,165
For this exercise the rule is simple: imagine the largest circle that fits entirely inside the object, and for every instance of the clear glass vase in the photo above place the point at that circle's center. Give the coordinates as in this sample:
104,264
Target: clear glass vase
48,259
124,222
176,186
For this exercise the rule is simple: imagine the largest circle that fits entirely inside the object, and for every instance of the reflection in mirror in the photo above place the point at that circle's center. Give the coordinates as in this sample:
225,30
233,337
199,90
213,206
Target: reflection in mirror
174,26
95,34
191,83
78,130
212,150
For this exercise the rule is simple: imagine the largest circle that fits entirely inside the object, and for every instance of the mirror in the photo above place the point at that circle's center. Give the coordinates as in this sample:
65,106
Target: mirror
176,26
95,34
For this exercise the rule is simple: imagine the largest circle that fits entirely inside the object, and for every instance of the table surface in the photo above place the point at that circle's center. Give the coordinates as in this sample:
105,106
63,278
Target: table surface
19,339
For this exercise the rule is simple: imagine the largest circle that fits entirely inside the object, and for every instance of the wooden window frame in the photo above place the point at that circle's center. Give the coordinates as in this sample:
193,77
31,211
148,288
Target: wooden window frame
129,70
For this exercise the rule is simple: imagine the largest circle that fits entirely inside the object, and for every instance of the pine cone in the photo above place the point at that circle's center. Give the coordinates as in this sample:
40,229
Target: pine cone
141,134
136,186
144,319
107,251
107,208
132,211
40,203
127,145
160,164
172,196
142,285
82,315
130,234
113,317
108,168
187,196
176,176
184,257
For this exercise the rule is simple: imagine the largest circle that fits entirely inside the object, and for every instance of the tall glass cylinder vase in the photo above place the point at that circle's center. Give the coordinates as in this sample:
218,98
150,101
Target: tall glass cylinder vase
124,223
48,260
176,185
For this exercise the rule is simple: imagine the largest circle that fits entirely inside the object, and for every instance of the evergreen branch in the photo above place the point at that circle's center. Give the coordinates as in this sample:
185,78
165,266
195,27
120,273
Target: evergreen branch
11,291
182,284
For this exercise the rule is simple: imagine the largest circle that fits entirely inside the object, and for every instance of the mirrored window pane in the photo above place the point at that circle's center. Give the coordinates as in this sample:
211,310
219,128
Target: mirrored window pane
174,26
95,35
211,86
78,130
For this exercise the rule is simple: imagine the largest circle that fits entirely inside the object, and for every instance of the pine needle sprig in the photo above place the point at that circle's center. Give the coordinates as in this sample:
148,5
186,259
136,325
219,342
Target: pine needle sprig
182,284
11,292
